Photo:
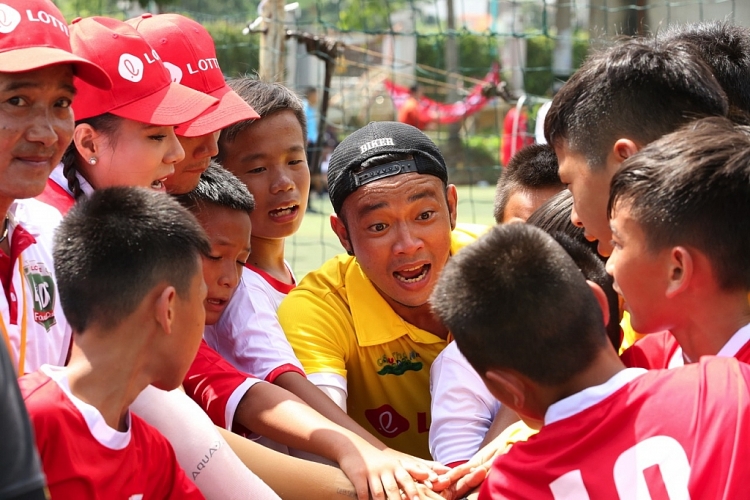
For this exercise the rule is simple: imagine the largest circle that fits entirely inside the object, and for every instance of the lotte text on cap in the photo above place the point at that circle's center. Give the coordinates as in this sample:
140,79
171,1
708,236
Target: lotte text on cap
34,35
142,89
188,52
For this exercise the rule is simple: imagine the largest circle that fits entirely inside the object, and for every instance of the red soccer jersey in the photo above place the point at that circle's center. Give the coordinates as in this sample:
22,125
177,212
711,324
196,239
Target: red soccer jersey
664,434
83,458
661,350
217,386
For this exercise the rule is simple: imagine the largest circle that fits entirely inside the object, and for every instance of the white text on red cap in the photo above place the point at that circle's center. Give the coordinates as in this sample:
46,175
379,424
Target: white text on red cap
130,67
204,65
10,18
46,18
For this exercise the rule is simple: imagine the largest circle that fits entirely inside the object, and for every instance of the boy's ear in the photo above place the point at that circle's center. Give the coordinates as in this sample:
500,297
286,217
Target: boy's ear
338,226
621,151
86,139
165,308
507,387
601,299
680,272
452,195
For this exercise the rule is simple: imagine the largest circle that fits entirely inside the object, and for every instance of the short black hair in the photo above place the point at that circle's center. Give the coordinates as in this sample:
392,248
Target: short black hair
218,186
266,98
691,188
640,89
515,299
593,269
725,47
533,167
113,247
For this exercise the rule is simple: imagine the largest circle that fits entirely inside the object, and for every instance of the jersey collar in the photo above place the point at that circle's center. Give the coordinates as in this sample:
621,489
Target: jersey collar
590,396
375,322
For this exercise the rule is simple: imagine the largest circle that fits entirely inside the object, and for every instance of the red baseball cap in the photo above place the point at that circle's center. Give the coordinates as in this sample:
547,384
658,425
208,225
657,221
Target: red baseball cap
142,89
188,52
34,35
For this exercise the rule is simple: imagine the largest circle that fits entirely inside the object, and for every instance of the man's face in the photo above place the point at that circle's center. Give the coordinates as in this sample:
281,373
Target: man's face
590,190
640,274
36,126
399,228
198,153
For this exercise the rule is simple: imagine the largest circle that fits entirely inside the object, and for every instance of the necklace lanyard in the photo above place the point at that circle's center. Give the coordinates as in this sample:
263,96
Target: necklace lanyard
22,347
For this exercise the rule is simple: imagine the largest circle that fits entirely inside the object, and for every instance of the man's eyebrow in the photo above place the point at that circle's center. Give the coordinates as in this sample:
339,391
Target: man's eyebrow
425,193
371,208
25,84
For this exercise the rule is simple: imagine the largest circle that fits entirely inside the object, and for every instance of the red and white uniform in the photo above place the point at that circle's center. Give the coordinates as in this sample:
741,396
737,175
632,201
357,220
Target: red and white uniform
84,458
31,317
216,385
663,434
661,350
57,194
248,333
462,408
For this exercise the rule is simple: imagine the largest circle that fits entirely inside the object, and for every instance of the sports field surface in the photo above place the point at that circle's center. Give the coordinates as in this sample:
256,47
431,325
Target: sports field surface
315,242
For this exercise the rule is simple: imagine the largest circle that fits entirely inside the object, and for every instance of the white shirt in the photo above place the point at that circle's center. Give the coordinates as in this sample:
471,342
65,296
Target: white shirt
462,407
48,334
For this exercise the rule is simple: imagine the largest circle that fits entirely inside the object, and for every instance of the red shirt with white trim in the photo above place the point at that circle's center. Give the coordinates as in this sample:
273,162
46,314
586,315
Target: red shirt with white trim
216,386
661,350
57,194
248,333
663,434
83,458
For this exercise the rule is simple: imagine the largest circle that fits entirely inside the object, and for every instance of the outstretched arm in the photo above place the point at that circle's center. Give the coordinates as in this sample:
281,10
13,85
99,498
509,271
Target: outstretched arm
280,415
291,478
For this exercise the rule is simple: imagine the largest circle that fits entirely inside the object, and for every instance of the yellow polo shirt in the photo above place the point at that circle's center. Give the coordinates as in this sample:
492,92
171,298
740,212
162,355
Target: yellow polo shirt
341,327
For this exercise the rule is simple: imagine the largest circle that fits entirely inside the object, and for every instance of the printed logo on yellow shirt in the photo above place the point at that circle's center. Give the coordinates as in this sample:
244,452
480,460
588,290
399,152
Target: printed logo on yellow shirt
399,363
387,421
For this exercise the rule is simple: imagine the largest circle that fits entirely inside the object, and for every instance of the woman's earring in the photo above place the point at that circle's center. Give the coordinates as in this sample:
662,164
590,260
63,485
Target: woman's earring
93,160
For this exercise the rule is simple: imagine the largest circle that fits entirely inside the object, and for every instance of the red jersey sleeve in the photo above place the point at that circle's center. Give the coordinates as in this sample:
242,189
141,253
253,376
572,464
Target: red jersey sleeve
216,385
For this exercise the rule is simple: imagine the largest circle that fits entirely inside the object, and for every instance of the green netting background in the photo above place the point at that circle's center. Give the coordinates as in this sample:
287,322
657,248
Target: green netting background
538,43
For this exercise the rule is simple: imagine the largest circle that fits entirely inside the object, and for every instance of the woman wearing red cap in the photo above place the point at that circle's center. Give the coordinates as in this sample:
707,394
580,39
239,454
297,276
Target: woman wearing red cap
123,136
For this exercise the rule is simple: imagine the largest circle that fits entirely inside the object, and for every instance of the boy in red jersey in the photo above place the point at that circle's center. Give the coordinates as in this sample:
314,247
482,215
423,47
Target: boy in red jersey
681,245
128,266
605,433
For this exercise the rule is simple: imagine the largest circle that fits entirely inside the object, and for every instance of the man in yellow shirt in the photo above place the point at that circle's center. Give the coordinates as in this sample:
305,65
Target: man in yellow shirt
361,325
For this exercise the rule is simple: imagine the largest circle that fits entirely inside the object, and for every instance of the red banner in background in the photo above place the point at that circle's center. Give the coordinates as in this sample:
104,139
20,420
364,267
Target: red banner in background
433,111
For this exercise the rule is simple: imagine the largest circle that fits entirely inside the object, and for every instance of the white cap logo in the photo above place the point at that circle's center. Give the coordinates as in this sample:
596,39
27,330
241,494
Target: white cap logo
130,68
174,71
10,18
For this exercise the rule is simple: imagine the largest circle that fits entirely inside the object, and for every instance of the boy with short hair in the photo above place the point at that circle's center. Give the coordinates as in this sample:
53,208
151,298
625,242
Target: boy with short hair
681,245
128,268
605,434
465,415
619,100
526,183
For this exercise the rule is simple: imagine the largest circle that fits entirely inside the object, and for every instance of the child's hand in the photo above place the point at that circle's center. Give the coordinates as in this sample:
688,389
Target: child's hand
380,476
